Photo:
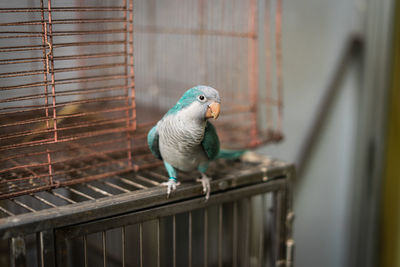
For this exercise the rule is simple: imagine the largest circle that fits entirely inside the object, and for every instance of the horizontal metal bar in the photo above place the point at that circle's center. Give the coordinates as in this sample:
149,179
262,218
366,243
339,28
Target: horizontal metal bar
21,48
49,141
89,67
89,20
96,177
81,79
83,91
65,162
80,125
62,197
90,55
140,177
21,73
127,181
66,9
88,32
128,202
115,42
64,21
156,174
116,187
72,115
80,193
98,190
21,60
20,192
23,205
26,34
44,201
29,108
6,211
71,147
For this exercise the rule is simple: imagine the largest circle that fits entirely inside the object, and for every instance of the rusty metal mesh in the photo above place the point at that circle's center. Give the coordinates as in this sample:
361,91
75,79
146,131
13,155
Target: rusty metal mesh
81,82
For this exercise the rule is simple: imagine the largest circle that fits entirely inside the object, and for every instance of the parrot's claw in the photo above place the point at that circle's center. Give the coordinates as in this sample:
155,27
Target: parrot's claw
171,186
205,182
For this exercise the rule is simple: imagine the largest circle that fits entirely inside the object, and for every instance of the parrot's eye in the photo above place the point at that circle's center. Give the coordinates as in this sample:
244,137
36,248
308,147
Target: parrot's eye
201,97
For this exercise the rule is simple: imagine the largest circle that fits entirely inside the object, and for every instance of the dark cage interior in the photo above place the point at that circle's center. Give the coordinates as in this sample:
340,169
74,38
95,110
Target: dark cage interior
81,84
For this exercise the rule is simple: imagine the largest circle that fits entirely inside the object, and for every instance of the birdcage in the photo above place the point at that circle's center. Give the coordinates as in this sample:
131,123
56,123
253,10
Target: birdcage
83,81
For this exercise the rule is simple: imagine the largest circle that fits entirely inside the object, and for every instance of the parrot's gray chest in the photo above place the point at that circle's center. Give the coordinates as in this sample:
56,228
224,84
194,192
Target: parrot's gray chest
180,141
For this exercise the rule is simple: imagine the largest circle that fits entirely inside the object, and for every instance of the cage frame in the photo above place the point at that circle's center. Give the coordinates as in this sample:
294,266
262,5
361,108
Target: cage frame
53,226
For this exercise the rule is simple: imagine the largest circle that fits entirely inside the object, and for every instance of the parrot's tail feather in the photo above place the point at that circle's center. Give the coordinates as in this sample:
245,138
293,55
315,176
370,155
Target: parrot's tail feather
230,154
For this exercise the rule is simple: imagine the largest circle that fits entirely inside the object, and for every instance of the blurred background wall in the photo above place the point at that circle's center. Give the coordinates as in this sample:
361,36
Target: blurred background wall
338,191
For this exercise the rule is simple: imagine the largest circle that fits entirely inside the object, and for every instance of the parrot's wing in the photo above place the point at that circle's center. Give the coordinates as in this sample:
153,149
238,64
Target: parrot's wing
210,141
152,141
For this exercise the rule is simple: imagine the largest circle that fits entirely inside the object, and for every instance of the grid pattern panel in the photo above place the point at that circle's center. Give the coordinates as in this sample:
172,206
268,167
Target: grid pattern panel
234,233
71,110
66,109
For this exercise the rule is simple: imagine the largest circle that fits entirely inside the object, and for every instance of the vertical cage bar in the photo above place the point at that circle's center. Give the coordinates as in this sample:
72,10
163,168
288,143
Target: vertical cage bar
276,226
158,243
85,254
103,237
53,88
203,44
123,245
141,244
234,235
18,252
282,225
174,240
131,66
261,236
220,214
62,250
46,248
126,82
278,51
290,243
190,240
253,69
45,73
268,52
247,232
280,220
205,237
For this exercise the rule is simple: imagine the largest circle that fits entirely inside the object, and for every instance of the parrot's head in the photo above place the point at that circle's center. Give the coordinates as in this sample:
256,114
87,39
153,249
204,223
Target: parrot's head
200,102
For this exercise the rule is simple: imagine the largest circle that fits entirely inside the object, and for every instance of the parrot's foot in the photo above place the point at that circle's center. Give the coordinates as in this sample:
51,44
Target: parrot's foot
205,182
171,185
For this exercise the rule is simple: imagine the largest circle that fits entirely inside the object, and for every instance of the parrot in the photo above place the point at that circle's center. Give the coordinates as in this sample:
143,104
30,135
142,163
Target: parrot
185,140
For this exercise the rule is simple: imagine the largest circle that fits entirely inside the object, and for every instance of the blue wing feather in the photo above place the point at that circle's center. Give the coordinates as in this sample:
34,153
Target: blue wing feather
210,141
152,141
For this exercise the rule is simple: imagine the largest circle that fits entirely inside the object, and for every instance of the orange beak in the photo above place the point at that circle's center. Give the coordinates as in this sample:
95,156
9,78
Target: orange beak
213,110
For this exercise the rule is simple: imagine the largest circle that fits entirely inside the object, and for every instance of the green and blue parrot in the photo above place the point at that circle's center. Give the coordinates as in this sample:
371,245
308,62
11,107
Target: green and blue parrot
185,140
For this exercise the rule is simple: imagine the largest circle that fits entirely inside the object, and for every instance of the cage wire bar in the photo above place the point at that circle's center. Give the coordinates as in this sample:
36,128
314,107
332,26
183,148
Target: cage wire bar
69,97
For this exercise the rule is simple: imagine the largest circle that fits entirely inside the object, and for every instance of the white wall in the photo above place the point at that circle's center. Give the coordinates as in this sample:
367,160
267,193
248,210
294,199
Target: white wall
314,33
